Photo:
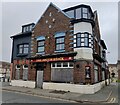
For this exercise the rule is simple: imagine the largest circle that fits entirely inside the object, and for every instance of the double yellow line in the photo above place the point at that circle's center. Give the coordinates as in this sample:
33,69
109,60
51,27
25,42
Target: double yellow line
112,100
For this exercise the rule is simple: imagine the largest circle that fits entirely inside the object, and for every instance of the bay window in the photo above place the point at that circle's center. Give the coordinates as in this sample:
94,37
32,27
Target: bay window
83,40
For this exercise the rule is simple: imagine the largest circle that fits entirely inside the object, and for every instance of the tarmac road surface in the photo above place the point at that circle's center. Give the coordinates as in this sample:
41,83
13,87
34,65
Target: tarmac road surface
14,97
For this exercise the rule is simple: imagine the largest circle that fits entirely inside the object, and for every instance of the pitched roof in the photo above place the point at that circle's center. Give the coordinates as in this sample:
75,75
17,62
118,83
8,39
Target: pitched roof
51,4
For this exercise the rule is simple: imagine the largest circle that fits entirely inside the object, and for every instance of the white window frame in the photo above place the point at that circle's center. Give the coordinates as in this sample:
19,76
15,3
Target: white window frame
62,65
25,67
17,67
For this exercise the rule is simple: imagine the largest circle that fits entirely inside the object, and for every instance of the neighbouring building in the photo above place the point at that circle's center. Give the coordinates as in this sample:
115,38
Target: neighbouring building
113,70
64,51
4,71
118,67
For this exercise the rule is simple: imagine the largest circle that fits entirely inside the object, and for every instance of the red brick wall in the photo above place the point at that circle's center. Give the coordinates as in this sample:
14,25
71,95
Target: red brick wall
47,72
31,71
79,73
61,23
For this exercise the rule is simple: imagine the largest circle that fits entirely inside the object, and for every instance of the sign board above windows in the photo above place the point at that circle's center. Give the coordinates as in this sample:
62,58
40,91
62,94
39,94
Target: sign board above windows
53,59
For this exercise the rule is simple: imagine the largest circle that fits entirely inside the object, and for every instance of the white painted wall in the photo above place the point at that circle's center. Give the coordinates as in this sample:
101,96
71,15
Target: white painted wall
82,27
84,53
84,89
21,83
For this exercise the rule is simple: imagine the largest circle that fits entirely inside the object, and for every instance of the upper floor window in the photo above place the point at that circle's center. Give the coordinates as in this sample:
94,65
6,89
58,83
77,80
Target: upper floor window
79,13
23,48
27,28
82,39
71,13
60,41
41,44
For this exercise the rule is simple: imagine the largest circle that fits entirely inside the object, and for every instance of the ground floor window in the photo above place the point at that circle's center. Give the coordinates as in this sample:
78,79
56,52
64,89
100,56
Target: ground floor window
25,72
96,73
103,75
17,69
62,65
62,72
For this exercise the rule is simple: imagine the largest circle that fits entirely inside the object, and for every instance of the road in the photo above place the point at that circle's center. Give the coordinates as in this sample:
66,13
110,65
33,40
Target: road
115,93
13,97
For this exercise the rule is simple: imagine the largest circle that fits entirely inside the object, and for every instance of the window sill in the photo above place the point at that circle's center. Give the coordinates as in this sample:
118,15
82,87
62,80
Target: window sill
40,53
20,55
60,51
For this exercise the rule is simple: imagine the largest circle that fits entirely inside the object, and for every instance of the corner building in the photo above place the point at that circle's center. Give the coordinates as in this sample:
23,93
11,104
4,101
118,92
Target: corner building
67,52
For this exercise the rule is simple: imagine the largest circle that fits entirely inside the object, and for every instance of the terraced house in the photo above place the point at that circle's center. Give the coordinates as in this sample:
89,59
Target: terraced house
64,51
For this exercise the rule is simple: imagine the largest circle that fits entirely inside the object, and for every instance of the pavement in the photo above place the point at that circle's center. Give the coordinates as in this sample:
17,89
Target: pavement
101,96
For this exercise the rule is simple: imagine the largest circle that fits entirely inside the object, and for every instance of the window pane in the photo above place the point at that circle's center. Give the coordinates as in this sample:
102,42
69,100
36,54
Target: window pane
60,40
78,35
60,47
40,49
86,41
78,13
78,42
85,15
24,29
53,64
85,10
59,64
25,50
26,45
71,64
85,35
20,46
41,43
71,13
65,64
20,50
82,35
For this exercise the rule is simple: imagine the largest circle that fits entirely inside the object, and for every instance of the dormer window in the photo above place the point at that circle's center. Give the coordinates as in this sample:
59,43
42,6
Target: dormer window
78,13
27,28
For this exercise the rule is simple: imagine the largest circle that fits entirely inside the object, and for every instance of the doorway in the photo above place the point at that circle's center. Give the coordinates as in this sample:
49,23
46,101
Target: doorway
39,78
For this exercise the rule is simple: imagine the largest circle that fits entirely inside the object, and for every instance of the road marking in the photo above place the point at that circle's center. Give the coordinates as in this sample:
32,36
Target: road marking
112,100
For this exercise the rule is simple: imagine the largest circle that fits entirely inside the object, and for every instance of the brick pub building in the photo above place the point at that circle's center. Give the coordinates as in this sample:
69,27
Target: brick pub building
65,52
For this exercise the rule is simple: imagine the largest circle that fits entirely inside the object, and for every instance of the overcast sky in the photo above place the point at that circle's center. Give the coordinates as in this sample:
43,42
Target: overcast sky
15,14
